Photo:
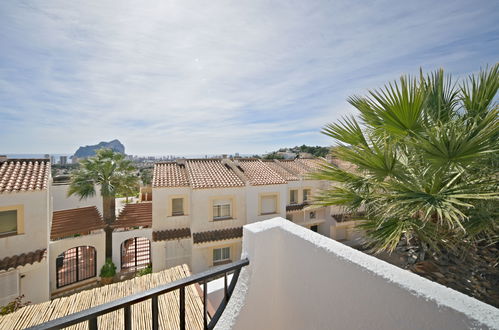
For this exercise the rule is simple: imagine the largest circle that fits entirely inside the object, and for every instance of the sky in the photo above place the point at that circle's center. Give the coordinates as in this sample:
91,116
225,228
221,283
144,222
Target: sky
211,77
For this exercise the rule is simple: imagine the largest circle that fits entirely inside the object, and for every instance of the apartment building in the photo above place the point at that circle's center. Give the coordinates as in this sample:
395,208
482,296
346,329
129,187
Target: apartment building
25,215
200,206
195,218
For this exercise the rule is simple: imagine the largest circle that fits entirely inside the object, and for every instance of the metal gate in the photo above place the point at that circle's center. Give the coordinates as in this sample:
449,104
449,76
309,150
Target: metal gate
135,253
76,264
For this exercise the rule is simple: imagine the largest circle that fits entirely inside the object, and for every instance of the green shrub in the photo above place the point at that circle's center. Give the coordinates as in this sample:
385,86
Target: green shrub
109,269
145,271
13,305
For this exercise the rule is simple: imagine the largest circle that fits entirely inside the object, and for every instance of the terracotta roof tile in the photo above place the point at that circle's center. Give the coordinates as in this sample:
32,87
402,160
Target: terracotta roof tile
344,165
18,175
211,173
132,215
311,164
224,173
300,167
75,221
22,259
170,174
259,173
284,173
217,235
171,234
296,207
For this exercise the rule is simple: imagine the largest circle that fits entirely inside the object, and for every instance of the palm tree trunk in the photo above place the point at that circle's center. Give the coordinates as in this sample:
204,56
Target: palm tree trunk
109,215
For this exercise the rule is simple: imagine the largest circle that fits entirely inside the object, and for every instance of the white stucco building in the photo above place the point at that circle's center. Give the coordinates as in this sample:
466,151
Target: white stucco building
25,215
200,205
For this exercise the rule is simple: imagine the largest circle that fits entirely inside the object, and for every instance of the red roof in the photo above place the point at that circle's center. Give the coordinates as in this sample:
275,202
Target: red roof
135,215
171,234
259,173
75,221
22,259
17,175
217,235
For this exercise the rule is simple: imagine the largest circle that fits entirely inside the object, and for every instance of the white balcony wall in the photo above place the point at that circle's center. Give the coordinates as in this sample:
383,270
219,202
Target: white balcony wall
298,279
61,200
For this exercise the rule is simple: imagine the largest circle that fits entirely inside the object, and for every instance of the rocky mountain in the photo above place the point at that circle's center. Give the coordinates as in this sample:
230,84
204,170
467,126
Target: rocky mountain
89,151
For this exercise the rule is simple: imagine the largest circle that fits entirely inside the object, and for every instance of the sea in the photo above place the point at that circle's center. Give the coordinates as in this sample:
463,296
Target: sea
56,156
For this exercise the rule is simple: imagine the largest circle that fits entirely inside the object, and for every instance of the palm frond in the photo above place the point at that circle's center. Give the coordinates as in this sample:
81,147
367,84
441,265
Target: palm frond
478,91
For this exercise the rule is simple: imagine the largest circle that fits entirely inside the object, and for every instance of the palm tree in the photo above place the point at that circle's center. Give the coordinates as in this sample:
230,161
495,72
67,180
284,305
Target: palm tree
426,154
112,172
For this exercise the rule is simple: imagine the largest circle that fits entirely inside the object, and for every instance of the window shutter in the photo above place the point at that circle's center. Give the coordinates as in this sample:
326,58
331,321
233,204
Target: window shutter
8,222
269,204
177,206
9,287
221,202
306,194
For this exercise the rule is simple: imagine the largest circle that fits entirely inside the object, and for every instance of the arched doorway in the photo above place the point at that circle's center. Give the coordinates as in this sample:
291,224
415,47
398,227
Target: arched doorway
75,265
135,253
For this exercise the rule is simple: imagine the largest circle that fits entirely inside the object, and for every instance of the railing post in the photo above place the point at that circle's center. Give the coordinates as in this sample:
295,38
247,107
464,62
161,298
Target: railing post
226,293
128,317
154,307
205,309
92,324
182,308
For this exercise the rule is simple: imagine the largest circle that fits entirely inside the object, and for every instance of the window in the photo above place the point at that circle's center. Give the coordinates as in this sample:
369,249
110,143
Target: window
8,223
312,215
221,255
269,204
306,194
177,206
221,209
293,196
9,287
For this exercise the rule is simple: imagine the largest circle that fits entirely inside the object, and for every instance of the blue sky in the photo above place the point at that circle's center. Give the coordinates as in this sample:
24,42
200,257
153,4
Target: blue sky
190,77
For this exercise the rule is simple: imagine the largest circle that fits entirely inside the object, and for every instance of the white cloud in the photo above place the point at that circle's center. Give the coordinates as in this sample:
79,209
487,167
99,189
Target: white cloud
189,77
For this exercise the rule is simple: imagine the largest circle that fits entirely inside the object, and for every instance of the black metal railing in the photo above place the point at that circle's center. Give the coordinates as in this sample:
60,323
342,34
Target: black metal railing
90,315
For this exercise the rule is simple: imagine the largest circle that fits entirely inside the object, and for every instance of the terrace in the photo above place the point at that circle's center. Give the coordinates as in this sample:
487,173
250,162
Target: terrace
293,278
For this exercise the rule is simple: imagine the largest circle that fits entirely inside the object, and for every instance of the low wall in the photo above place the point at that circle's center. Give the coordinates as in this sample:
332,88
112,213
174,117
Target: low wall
120,236
97,240
298,279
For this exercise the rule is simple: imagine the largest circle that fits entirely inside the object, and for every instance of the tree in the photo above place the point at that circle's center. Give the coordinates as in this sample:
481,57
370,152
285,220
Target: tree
113,173
146,176
273,155
426,153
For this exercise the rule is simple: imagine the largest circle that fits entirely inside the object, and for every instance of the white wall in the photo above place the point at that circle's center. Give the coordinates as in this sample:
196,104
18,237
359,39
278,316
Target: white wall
97,240
36,223
298,279
120,236
202,254
61,201
201,209
33,282
167,254
160,209
253,200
